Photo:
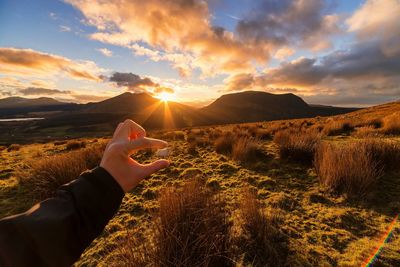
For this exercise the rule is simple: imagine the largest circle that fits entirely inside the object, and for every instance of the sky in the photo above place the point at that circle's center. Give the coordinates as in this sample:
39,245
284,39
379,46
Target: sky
332,52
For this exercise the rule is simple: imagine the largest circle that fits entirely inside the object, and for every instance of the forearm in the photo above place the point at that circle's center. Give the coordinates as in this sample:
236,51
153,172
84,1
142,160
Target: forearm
56,231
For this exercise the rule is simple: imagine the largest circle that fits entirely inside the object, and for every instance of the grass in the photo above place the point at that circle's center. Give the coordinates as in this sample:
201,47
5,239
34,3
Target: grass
337,127
292,212
297,146
391,124
354,167
348,169
73,145
261,241
191,228
44,176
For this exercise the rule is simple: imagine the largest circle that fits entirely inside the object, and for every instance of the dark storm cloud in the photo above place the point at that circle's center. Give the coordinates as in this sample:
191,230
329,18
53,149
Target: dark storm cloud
132,81
362,62
42,91
286,22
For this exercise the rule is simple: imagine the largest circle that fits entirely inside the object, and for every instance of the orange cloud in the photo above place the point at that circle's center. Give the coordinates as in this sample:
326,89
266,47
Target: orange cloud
30,62
171,27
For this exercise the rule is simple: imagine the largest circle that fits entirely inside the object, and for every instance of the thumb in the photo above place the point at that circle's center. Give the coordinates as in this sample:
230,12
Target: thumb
151,168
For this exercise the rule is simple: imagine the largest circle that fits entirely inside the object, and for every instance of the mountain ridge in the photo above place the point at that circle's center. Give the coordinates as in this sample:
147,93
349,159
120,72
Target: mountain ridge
247,106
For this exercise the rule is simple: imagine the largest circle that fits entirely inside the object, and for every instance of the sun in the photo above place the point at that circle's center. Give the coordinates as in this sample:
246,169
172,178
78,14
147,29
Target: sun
165,97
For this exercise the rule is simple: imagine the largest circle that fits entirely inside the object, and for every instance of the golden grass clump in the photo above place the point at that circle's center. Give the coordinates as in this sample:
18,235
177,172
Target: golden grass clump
224,143
13,147
44,176
391,124
73,145
261,241
297,146
245,149
337,127
353,168
191,228
365,132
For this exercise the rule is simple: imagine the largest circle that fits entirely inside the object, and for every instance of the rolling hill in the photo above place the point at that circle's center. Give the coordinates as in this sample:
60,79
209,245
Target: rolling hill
19,106
66,119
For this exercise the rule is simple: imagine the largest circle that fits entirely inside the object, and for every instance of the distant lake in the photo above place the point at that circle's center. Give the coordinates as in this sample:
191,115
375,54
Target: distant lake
20,119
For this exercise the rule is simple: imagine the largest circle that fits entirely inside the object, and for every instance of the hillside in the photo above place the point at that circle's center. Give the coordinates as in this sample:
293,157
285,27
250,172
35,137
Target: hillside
98,118
18,102
295,216
141,107
19,106
253,106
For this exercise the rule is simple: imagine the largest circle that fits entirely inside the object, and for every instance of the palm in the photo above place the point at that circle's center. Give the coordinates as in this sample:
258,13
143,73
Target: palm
128,138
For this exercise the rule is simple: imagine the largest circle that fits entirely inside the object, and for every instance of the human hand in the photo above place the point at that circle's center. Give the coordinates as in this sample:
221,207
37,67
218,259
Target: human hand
128,138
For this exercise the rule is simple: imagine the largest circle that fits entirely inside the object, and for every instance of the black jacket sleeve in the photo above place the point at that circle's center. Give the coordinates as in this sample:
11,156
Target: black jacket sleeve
56,231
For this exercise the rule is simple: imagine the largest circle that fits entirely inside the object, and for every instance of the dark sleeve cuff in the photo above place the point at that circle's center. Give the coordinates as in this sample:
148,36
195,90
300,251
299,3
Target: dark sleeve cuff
106,182
97,197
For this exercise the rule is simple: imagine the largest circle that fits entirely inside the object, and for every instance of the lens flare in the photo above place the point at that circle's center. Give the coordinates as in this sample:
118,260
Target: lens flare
382,241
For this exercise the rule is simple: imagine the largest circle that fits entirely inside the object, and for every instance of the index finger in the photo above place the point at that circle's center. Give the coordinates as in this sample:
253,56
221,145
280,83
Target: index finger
142,143
130,130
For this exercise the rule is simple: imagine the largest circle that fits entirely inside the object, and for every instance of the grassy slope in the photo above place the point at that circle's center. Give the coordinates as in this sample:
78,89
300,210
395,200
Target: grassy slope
323,229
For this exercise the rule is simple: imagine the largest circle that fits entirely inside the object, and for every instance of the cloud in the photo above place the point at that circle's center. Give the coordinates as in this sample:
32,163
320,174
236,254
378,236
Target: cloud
29,62
42,91
105,51
162,89
84,98
174,27
378,19
64,28
288,22
367,70
135,83
132,82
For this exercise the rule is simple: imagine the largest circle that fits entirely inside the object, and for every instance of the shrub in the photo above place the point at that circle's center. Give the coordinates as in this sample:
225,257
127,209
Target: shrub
44,176
337,127
391,124
59,143
384,152
365,131
13,147
349,168
262,242
297,146
191,228
191,149
224,143
245,149
73,145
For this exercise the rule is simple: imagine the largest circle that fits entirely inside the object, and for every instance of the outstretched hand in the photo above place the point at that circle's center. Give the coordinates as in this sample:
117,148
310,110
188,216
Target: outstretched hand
128,138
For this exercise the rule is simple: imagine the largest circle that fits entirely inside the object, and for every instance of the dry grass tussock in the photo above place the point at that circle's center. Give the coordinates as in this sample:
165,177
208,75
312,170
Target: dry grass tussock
391,124
297,146
191,228
353,168
261,241
73,145
246,149
337,127
44,176
240,147
366,132
13,147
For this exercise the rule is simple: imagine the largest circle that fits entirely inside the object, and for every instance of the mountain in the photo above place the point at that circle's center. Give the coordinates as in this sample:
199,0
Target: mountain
140,107
249,106
19,106
252,106
18,102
